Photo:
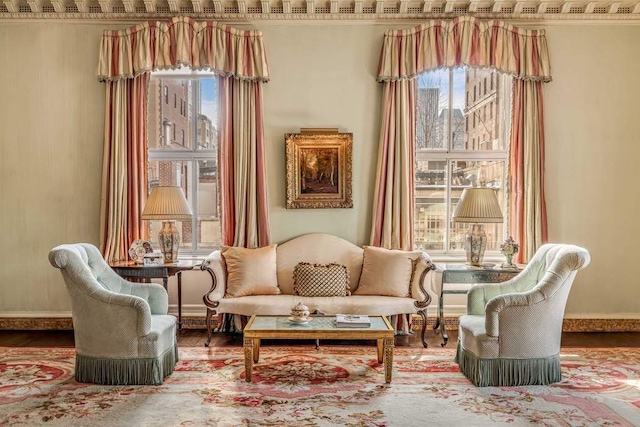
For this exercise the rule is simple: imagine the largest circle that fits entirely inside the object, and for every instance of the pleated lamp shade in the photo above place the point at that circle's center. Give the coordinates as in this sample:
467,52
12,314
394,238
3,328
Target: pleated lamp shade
478,204
167,203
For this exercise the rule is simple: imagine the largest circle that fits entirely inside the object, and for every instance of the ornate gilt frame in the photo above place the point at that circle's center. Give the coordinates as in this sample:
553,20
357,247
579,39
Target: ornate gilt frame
319,170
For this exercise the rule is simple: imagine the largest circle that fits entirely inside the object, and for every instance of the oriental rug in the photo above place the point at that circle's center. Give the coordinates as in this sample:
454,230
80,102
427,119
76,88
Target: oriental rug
334,385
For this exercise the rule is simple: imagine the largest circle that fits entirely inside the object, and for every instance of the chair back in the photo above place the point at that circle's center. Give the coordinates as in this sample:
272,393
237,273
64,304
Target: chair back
552,259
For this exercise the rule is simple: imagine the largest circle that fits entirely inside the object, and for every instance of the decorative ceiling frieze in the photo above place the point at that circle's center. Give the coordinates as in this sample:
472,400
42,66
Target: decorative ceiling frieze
322,10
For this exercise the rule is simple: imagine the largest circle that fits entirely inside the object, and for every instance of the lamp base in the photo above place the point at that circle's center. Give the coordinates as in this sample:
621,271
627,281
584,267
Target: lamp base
475,244
169,239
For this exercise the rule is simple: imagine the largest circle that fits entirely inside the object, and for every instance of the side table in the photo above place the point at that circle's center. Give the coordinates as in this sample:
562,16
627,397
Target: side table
139,272
459,278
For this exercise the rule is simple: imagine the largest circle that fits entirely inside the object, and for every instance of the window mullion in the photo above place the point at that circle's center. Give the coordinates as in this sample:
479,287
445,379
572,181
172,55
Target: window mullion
448,213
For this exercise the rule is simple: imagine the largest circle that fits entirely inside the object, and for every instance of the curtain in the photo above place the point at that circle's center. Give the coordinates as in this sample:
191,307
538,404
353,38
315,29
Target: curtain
526,163
394,192
245,219
205,45
124,169
126,59
463,41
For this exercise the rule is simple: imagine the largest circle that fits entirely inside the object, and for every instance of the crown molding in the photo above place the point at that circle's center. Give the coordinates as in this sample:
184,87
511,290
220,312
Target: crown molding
322,11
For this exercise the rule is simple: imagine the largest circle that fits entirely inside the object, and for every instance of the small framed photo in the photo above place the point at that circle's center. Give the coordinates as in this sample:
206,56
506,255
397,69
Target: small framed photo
319,170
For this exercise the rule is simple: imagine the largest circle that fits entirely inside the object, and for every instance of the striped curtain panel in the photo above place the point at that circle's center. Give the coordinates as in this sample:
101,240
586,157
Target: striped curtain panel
124,169
394,193
462,41
243,178
126,59
526,163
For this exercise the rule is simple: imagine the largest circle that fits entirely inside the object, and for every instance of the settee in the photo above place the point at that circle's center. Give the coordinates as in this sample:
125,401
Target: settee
261,281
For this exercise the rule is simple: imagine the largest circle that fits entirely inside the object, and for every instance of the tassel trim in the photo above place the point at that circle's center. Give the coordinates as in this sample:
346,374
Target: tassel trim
149,371
501,372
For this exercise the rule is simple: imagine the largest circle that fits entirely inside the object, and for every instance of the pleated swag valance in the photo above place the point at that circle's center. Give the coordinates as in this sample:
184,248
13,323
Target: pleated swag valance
465,41
156,45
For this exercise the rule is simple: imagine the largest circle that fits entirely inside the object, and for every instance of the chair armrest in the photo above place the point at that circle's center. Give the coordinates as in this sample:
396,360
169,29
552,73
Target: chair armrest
122,305
153,293
423,279
479,295
214,264
500,303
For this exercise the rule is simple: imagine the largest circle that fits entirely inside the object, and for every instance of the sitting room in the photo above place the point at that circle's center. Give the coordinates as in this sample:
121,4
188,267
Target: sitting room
318,213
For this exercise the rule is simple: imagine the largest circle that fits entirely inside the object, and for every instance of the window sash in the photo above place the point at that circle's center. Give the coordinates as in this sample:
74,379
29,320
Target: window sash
450,155
192,154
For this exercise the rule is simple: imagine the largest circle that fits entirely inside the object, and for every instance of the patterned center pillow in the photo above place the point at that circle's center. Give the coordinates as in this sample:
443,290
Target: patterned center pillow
320,280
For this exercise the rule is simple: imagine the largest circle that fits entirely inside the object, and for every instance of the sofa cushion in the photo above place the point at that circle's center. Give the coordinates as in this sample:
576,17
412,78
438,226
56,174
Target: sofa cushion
320,280
387,272
251,271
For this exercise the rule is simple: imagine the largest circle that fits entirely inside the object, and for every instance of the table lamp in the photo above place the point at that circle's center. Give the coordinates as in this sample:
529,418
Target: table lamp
168,204
477,205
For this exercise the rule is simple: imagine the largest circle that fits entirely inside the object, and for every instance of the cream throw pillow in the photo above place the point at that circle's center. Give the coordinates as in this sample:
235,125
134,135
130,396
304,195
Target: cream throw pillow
387,272
251,271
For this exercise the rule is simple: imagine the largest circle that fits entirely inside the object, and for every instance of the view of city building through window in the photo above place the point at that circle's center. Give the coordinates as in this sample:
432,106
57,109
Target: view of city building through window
462,133
183,151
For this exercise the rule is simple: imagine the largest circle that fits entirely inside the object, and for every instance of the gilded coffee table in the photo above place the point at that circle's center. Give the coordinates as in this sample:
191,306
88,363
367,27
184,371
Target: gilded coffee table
319,327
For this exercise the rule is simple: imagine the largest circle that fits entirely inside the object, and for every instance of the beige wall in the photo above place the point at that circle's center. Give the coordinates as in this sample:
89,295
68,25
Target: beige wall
51,118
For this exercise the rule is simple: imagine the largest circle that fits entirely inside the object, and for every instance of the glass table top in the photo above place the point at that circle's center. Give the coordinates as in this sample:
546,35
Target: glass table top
270,323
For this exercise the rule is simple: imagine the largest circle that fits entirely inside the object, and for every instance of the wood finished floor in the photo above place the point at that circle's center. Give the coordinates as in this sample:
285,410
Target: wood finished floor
196,338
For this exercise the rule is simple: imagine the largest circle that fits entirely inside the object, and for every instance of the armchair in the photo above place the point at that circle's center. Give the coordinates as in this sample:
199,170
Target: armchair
511,333
123,334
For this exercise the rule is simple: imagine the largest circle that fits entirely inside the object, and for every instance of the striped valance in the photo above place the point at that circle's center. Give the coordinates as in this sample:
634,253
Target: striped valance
156,45
468,41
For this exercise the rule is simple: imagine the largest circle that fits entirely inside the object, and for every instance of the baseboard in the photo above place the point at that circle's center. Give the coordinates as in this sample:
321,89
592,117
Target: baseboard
198,322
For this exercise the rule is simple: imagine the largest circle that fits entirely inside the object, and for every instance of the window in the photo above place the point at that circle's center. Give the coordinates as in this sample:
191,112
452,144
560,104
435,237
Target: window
454,150
190,163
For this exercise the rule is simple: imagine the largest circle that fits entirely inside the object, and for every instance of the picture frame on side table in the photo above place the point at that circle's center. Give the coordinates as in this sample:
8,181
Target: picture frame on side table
319,170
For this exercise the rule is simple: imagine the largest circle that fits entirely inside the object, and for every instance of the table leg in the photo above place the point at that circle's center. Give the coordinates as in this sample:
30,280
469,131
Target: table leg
165,282
179,274
256,350
380,345
388,359
248,359
440,320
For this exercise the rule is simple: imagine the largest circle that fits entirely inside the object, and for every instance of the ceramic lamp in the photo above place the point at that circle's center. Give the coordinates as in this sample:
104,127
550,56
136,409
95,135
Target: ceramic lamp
477,205
168,204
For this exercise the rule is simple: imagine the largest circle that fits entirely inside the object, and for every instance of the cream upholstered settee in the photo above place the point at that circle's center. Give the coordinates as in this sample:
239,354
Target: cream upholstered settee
385,272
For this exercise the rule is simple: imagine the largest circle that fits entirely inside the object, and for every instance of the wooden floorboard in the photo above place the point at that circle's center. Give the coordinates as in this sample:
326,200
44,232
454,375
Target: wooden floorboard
196,338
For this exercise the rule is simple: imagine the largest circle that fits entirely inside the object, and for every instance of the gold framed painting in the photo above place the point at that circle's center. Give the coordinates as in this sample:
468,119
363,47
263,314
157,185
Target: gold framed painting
319,170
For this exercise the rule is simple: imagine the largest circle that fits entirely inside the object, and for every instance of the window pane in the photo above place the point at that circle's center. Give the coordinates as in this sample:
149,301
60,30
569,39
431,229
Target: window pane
168,121
208,205
430,206
207,133
476,96
432,105
486,173
171,173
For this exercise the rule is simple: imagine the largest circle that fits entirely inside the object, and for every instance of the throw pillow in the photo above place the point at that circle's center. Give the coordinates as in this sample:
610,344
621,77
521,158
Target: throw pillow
387,272
320,280
251,271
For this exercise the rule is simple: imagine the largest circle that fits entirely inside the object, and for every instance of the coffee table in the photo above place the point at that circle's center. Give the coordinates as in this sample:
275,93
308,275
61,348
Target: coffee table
319,327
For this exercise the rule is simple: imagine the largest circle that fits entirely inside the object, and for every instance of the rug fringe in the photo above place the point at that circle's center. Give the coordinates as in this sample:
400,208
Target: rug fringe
508,372
149,371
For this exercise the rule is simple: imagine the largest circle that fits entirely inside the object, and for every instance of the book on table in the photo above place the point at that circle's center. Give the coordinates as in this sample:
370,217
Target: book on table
352,321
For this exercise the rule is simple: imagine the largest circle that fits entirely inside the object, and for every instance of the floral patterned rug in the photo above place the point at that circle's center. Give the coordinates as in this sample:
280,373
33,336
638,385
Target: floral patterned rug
335,385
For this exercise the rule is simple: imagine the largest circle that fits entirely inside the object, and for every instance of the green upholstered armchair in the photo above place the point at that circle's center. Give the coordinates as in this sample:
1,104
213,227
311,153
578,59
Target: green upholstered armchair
123,334
511,333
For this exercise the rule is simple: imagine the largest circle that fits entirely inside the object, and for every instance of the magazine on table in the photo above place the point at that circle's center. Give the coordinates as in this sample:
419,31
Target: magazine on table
353,320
